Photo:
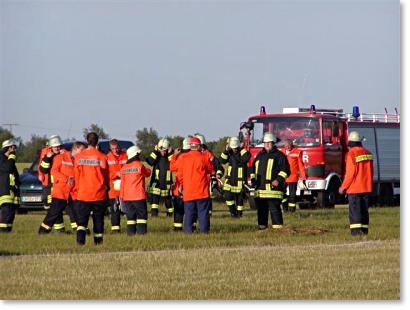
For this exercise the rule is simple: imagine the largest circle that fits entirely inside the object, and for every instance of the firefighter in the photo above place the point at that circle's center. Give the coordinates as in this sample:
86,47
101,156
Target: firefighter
92,182
44,177
161,177
217,171
177,186
194,169
269,172
357,183
297,171
61,178
237,158
116,158
132,192
72,201
9,185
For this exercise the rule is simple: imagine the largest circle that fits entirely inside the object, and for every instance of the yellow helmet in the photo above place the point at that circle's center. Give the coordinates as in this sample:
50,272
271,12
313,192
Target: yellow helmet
354,136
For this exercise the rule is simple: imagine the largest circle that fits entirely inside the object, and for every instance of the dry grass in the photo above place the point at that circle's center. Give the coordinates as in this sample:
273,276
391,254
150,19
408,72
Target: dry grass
312,257
348,271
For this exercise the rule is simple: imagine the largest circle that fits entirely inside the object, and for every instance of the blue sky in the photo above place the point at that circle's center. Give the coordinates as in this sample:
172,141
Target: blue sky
188,66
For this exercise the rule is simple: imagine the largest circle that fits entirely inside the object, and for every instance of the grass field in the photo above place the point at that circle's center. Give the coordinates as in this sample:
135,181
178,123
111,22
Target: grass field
313,257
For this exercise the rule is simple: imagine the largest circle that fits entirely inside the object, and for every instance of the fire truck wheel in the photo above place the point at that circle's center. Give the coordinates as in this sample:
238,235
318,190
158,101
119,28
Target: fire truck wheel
329,197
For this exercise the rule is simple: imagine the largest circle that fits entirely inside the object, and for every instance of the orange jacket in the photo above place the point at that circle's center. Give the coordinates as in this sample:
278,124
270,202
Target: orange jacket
114,165
62,168
194,169
359,171
74,189
297,169
133,176
173,167
91,175
43,176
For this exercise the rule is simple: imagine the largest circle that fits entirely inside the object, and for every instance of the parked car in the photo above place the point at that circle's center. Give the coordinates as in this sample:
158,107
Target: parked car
30,186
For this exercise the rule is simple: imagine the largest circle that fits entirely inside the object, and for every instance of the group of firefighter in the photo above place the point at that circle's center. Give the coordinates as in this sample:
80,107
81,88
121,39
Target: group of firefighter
80,181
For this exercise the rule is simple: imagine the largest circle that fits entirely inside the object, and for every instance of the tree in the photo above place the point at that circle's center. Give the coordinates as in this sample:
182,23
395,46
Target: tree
5,134
97,129
146,140
27,152
175,141
217,146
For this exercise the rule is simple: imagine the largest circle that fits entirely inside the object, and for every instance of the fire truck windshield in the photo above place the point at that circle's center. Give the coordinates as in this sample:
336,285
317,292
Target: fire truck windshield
303,131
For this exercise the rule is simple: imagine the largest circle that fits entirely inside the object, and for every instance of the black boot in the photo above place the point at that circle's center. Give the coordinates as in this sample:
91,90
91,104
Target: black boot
154,212
43,231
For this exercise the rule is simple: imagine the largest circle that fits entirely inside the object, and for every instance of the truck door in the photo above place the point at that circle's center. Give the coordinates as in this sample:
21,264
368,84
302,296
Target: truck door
332,135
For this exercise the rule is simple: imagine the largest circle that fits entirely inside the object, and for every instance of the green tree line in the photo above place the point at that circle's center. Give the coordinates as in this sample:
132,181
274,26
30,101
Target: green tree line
145,138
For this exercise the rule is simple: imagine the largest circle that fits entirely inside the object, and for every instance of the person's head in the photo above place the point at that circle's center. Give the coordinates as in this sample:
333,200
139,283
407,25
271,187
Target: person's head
77,148
92,139
288,144
54,142
9,145
269,140
133,151
195,144
163,146
234,144
115,146
355,139
185,144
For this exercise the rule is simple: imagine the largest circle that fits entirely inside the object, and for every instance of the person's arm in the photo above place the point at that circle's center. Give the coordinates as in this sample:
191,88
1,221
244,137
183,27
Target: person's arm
301,166
284,170
152,158
350,173
146,172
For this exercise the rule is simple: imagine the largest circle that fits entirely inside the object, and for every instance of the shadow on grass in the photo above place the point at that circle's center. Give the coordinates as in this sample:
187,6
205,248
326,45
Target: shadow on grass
6,253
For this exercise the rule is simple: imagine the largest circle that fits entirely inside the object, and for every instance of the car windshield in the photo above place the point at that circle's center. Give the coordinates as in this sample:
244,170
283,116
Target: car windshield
303,131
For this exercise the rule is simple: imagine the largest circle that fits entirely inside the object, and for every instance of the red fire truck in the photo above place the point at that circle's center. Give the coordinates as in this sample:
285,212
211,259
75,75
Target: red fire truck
322,134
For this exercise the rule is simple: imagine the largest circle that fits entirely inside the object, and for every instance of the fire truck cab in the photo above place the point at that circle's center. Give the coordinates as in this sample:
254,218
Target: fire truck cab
322,134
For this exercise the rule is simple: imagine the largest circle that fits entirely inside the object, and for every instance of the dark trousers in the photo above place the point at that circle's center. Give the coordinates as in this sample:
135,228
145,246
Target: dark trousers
137,215
115,214
178,212
70,211
289,203
235,202
266,205
54,215
84,209
359,213
197,209
48,200
7,215
167,201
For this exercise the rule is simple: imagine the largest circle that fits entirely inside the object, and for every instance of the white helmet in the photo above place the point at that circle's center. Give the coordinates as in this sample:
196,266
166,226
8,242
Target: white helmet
234,142
117,185
132,151
8,143
270,137
354,136
185,144
163,144
200,137
54,141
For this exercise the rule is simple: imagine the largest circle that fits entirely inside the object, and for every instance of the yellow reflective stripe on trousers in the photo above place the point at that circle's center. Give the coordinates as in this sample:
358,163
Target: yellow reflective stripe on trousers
365,226
154,206
3,225
156,191
177,224
131,222
363,158
291,204
98,235
269,169
74,225
115,228
230,203
239,208
277,226
355,226
58,226
81,228
141,221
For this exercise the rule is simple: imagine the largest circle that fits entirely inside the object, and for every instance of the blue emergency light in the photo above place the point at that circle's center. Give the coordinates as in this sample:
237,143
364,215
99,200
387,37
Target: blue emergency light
356,112
312,109
262,110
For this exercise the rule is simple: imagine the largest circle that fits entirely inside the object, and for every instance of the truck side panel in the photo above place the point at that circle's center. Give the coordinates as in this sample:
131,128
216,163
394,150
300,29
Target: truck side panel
388,144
